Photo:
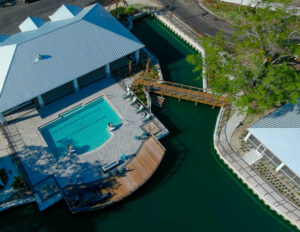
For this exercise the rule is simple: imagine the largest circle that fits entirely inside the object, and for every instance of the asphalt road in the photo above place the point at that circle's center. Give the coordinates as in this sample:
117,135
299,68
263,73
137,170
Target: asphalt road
198,18
188,11
11,16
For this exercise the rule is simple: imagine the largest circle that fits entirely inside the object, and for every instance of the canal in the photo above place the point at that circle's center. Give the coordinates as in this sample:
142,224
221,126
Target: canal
191,191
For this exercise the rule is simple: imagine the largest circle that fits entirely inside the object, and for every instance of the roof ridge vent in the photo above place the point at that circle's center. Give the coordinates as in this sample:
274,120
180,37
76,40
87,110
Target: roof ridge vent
37,58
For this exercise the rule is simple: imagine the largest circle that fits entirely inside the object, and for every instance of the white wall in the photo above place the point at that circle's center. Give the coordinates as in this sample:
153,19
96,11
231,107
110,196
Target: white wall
254,2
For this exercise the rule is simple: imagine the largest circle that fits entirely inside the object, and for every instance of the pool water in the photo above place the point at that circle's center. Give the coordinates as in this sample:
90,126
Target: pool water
84,127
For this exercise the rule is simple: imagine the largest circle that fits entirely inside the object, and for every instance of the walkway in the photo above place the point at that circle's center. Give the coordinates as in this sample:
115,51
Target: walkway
181,91
264,191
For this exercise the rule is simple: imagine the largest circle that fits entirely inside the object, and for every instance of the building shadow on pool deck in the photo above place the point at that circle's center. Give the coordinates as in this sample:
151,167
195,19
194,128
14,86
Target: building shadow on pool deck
39,164
76,97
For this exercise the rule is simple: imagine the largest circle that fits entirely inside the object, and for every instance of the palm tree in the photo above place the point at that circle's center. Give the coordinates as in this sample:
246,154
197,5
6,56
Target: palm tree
148,64
117,4
19,184
129,66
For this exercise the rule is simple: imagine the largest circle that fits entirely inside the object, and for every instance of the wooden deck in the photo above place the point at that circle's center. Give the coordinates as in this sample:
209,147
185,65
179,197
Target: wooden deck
181,91
139,170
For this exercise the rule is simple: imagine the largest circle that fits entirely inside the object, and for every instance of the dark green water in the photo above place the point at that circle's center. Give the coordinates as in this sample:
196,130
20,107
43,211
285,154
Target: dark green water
191,190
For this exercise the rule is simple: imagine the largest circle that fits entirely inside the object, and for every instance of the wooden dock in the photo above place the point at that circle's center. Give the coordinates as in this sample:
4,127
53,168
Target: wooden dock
139,170
182,92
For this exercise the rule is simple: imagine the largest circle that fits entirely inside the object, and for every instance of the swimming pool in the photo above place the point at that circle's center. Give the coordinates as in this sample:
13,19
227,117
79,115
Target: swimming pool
84,127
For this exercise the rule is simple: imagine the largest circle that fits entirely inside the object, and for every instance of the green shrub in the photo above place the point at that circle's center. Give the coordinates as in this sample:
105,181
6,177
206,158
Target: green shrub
131,10
19,184
120,12
140,93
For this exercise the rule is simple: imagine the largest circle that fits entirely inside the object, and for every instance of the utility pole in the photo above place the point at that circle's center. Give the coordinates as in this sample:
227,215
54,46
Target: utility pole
172,8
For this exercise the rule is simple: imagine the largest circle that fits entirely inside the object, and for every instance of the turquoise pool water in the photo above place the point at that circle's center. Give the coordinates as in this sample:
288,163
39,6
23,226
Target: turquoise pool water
83,127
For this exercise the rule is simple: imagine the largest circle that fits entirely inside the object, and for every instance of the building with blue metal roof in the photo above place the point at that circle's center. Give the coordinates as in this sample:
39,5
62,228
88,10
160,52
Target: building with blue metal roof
48,55
276,137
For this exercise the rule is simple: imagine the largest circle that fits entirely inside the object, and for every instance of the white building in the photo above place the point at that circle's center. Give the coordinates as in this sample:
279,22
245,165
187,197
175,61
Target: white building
48,60
277,138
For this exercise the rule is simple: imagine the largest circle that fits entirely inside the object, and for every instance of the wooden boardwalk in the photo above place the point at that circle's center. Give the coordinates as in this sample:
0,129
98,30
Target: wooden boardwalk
139,170
182,92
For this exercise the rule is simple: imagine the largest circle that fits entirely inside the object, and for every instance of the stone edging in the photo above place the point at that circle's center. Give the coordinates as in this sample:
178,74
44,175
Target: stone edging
188,39
10,204
248,176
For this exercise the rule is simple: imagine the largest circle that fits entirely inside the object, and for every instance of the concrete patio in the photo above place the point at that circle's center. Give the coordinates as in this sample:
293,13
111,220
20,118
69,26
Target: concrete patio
39,162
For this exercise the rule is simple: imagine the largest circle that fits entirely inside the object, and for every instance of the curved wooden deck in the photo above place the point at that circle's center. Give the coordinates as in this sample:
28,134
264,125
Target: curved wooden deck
140,169
180,91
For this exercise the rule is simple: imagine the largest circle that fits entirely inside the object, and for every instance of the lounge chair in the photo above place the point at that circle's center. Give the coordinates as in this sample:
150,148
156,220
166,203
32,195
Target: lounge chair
146,134
147,117
110,166
127,94
139,109
133,100
123,157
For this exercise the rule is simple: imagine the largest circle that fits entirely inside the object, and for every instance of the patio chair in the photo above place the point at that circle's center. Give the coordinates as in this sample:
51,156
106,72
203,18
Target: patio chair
123,157
133,100
146,118
139,109
137,137
146,134
127,94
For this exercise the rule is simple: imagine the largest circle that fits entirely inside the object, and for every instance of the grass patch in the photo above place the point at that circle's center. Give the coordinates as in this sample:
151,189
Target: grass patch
227,11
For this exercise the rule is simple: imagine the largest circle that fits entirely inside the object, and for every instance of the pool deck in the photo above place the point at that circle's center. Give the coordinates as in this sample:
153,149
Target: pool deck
41,165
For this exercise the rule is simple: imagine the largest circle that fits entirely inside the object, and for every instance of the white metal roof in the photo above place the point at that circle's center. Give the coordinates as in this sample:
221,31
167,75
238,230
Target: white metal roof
65,12
6,56
280,133
69,48
31,23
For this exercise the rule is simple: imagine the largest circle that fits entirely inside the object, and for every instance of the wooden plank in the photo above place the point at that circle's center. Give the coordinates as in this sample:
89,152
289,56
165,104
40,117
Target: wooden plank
181,91
142,168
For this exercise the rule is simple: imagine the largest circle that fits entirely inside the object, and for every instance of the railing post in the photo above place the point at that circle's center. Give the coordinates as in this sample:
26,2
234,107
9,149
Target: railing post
2,119
41,101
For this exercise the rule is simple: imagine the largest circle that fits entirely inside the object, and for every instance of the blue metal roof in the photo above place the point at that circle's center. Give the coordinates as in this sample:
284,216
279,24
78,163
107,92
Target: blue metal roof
280,133
3,38
69,49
